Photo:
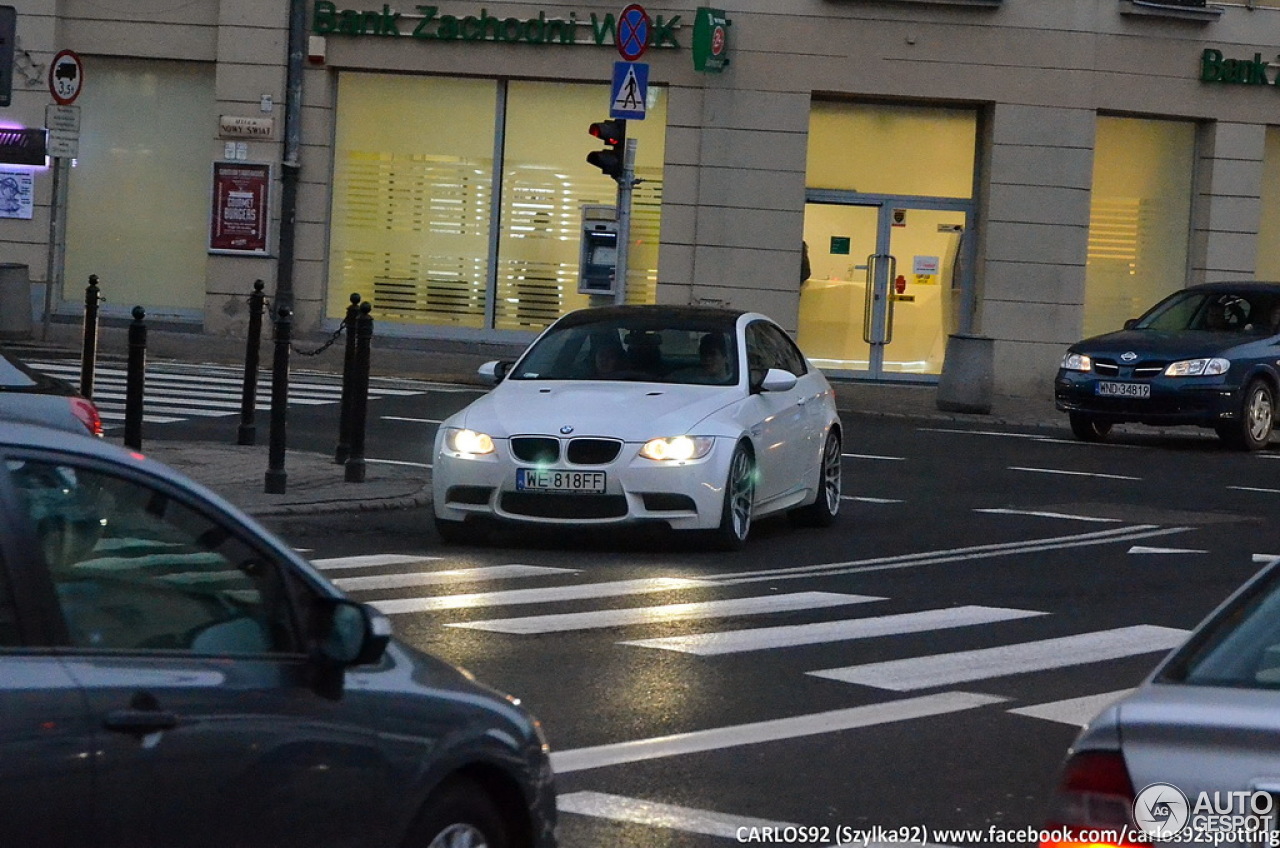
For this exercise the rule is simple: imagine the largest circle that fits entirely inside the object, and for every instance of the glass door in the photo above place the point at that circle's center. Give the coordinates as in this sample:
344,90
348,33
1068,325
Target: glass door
887,285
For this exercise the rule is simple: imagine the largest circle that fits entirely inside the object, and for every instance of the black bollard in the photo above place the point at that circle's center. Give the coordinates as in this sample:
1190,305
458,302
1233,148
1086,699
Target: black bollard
343,450
135,380
248,432
360,394
277,479
89,352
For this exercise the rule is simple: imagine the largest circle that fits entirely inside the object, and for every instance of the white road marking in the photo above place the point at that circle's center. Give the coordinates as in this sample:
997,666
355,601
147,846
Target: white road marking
873,456
913,560
870,500
665,612
412,420
965,666
979,432
106,415
453,575
769,638
1143,549
1255,489
371,560
1041,514
654,814
1266,559
1072,473
398,462
1075,711
716,738
617,588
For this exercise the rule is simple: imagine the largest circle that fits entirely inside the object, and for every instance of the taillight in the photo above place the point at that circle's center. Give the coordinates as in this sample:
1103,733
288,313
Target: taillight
1093,804
88,415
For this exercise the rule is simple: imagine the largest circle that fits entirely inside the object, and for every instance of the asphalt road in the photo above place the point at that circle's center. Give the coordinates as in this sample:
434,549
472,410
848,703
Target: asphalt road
924,663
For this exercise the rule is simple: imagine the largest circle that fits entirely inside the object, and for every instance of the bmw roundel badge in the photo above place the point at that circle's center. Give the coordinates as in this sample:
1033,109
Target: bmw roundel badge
566,429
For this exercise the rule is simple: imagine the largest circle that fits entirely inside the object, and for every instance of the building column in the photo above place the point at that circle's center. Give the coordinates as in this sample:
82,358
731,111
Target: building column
1226,204
1033,240
733,199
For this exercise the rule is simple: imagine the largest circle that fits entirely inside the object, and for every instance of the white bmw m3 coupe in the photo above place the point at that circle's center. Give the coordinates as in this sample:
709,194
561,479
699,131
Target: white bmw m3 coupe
701,418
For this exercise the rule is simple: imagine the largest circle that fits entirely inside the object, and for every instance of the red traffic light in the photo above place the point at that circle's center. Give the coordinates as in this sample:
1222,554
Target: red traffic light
613,133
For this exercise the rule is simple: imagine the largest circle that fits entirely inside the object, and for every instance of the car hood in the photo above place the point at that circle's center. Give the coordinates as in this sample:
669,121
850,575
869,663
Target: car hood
1168,345
629,411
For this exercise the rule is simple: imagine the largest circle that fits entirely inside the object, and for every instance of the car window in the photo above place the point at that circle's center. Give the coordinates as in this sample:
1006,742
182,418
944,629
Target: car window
135,568
769,347
636,349
9,636
1240,648
1216,312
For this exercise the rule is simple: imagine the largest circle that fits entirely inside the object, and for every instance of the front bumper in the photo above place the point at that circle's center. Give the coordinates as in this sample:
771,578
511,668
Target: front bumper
684,495
1202,401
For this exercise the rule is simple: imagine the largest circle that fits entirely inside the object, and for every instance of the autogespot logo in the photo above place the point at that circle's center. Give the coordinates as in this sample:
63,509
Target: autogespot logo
1161,810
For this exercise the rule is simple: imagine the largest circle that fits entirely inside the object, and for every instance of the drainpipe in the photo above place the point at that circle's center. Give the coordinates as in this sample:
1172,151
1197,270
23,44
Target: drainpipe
292,146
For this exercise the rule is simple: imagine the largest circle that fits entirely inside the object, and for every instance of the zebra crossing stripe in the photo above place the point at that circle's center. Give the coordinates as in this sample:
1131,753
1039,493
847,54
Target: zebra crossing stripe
663,613
769,638
773,730
454,575
601,805
1075,711
965,666
370,560
547,595
234,378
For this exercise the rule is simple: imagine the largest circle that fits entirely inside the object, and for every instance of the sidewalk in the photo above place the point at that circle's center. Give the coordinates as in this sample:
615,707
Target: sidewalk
315,484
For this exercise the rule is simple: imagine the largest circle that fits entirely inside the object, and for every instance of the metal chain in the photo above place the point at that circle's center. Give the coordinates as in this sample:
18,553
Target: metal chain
337,334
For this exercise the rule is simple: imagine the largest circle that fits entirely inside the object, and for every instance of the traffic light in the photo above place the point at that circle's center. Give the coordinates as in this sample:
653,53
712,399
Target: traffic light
614,134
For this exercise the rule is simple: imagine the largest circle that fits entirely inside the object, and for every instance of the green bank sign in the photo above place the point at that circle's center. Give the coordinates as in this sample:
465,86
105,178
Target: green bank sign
1215,67
428,23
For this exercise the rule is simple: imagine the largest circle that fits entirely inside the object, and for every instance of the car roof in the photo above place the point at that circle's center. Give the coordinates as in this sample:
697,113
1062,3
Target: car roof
655,313
1238,286
19,434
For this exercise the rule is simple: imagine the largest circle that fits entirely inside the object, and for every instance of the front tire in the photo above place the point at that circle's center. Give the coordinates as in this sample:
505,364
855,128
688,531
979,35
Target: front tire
459,816
1251,430
739,498
823,511
1086,428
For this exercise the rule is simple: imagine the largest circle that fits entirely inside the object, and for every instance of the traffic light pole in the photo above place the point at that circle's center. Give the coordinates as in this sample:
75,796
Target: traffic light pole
625,184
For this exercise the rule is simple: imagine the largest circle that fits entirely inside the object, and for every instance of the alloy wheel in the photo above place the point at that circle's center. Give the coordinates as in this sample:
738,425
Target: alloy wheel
459,836
1259,413
741,493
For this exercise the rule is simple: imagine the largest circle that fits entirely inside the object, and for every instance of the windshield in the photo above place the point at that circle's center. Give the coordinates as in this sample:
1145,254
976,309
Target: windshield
1241,647
634,349
1216,312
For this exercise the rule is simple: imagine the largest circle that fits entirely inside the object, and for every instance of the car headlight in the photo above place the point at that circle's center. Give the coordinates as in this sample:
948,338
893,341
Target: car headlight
676,448
1077,362
1198,367
459,440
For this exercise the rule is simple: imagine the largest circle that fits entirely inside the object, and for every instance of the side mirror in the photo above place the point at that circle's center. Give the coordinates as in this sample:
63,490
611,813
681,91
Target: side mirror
1131,323
778,380
358,634
493,372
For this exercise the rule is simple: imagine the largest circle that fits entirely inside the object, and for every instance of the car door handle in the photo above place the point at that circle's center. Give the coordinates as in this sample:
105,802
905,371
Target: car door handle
139,721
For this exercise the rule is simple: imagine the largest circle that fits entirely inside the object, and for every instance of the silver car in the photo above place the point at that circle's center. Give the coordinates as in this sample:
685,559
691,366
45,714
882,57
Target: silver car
1193,754
32,397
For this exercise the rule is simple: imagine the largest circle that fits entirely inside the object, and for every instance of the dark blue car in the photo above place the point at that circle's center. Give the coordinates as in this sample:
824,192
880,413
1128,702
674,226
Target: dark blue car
1207,356
172,674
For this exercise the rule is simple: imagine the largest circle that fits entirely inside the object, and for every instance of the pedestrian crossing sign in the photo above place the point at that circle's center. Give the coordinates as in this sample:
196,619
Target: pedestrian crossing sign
629,91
